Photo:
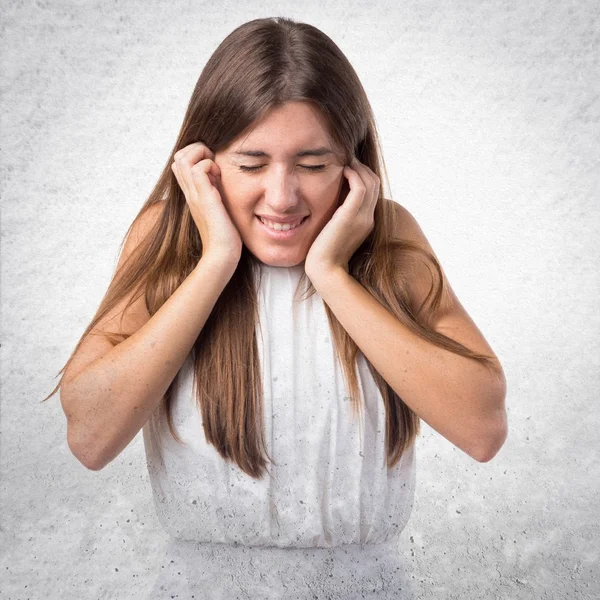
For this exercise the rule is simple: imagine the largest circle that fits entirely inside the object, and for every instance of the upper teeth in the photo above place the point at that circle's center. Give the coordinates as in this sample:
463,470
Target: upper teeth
281,226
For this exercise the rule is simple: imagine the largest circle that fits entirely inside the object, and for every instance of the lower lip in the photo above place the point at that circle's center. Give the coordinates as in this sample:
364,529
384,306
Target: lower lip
283,235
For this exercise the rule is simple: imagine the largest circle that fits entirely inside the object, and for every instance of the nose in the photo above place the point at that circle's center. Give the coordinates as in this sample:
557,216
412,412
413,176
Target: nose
281,189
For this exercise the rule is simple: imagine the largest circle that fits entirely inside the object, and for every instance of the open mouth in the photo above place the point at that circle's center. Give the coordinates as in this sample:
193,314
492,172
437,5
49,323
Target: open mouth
281,234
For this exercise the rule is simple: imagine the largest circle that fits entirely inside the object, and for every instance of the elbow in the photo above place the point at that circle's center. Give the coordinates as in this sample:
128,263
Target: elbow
80,450
92,466
486,450
83,453
495,432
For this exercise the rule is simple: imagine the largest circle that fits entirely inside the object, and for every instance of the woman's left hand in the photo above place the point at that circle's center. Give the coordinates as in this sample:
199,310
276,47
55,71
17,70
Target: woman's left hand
350,224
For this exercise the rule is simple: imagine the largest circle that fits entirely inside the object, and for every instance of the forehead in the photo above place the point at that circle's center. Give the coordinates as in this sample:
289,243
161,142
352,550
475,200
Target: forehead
288,129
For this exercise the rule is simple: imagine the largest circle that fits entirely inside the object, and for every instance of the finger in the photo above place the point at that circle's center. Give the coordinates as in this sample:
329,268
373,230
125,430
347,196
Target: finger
202,171
185,173
179,178
214,174
357,192
190,155
372,182
365,170
192,152
180,166
207,166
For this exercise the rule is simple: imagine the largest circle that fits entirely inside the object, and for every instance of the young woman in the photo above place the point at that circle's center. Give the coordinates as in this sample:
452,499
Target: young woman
273,418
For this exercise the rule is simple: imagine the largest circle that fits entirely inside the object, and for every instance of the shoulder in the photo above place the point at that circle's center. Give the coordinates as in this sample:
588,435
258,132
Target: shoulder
416,270
142,225
406,226
451,319
147,219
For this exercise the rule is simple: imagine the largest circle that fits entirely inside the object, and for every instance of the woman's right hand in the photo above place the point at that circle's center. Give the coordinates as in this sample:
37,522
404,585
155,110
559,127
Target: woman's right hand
197,175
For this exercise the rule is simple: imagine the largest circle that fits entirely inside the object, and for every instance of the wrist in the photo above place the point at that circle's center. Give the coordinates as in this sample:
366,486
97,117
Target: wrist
220,261
326,274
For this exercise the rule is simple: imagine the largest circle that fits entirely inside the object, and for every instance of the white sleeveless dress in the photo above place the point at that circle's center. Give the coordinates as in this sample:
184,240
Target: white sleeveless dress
330,488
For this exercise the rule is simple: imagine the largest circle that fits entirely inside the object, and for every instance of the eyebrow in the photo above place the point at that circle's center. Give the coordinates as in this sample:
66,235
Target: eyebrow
322,151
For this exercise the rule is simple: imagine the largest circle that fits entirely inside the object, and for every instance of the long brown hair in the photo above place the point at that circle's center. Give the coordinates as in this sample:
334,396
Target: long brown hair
260,65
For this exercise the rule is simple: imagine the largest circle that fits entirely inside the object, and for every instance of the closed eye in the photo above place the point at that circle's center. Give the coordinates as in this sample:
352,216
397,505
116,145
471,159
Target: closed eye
307,167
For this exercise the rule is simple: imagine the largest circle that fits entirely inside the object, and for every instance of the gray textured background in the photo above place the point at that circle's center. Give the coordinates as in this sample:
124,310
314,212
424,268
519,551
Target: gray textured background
489,117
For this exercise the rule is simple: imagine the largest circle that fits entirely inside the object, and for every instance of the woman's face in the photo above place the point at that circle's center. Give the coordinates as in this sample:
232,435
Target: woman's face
296,173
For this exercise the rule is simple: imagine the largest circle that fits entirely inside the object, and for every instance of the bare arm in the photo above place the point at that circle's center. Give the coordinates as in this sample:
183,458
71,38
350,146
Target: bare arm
111,399
109,392
458,397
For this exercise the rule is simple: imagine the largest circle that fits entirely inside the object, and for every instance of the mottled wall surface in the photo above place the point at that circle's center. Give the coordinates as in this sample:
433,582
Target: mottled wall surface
489,117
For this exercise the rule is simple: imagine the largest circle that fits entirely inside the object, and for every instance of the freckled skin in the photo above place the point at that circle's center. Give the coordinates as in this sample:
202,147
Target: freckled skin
281,187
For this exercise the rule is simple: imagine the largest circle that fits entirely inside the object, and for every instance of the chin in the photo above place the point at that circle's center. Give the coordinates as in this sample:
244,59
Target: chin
282,261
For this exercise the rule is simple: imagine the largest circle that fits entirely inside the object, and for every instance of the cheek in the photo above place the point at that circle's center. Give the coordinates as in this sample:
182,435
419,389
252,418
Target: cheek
322,190
234,191
227,183
336,182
